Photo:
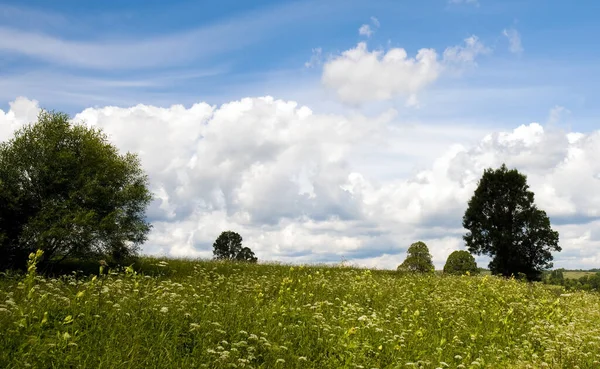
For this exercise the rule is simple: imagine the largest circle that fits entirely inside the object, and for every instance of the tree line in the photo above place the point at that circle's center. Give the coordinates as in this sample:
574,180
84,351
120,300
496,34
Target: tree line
66,190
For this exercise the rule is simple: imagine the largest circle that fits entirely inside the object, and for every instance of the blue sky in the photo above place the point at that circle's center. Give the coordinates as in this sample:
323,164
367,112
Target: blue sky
195,51
383,114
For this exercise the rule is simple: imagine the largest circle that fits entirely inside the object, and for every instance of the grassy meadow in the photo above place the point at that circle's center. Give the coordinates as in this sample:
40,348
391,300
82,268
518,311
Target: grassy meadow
572,274
202,314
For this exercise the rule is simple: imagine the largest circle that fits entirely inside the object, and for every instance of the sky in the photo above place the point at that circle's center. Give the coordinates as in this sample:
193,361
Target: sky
324,131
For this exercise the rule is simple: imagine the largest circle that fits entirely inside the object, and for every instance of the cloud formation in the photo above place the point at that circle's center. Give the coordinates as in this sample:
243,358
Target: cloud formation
514,40
366,30
299,187
359,75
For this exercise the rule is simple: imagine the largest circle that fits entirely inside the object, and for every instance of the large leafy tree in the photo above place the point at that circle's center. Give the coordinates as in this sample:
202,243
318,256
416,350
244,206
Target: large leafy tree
66,190
228,246
418,259
504,223
459,262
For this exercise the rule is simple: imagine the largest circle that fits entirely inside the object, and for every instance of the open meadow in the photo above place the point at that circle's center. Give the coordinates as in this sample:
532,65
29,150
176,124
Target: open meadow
202,314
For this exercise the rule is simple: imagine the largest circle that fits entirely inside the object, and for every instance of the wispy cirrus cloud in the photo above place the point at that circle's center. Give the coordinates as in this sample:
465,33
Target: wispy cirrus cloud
514,40
131,51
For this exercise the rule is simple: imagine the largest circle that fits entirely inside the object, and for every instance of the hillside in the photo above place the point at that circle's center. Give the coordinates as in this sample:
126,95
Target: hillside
185,314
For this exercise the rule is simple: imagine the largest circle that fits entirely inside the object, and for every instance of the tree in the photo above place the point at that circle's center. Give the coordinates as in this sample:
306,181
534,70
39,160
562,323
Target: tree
66,190
459,262
557,277
504,223
418,259
228,246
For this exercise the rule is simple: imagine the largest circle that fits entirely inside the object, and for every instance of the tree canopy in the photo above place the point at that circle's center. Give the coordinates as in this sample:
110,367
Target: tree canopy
228,246
459,262
504,223
66,190
418,259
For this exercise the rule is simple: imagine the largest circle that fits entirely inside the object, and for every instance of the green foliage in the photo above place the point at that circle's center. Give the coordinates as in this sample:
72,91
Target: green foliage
66,190
418,259
228,246
460,262
557,277
205,314
504,223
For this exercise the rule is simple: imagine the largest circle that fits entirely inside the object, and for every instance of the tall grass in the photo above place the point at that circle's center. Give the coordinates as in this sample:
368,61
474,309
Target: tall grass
201,314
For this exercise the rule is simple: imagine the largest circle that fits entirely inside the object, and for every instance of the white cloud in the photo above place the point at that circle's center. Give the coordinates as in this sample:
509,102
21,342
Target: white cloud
514,40
465,54
365,30
375,22
315,59
305,187
359,75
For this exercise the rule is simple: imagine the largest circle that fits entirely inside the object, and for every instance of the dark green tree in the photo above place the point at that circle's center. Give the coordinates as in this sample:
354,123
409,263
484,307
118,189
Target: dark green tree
66,190
557,277
418,259
504,223
459,262
228,246
246,254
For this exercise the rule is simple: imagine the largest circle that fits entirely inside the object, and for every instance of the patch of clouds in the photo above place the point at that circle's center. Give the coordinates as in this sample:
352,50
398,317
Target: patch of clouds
292,184
367,30
359,75
315,59
467,53
514,40
101,51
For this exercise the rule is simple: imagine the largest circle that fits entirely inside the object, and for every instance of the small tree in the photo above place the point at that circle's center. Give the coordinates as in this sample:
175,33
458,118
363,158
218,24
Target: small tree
504,223
418,259
557,277
459,262
66,190
228,246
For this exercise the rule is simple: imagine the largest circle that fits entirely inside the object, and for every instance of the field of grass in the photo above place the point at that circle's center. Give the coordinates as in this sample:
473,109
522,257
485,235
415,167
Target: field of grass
184,314
571,274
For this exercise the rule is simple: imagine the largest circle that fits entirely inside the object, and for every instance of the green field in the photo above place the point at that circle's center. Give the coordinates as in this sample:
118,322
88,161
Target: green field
571,274
185,314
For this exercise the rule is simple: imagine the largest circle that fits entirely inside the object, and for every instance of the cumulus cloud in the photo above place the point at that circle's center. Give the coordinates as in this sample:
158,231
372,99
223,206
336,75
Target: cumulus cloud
514,40
292,184
359,75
